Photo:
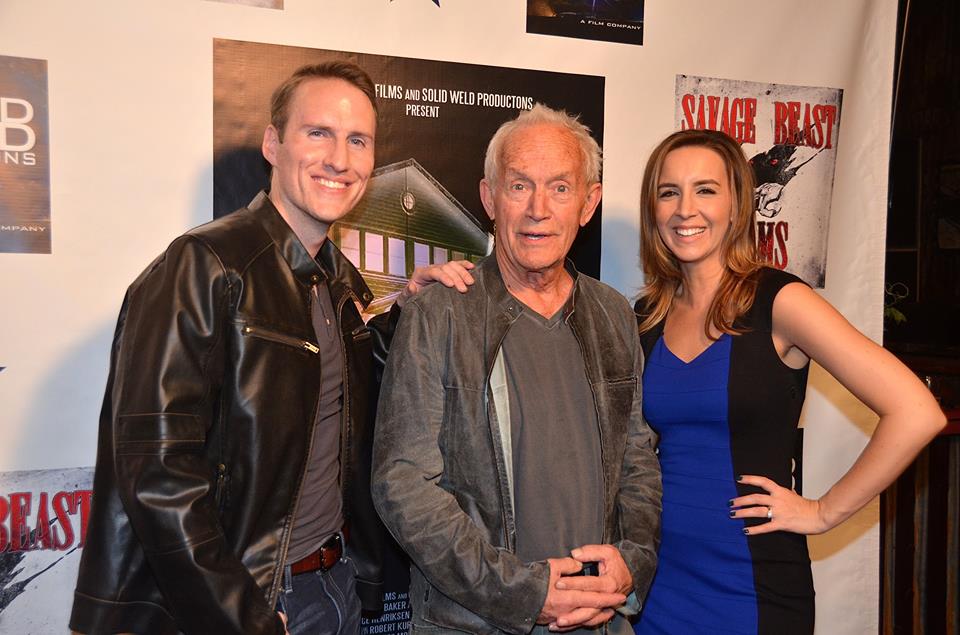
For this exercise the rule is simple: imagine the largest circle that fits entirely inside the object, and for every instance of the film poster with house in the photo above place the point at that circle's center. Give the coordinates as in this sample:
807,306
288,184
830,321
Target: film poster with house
422,203
790,135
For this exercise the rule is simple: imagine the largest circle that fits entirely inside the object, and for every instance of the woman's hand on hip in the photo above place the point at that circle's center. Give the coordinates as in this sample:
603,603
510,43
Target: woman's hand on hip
785,509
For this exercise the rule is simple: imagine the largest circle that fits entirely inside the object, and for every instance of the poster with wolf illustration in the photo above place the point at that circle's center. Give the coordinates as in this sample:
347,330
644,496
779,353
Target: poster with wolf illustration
790,136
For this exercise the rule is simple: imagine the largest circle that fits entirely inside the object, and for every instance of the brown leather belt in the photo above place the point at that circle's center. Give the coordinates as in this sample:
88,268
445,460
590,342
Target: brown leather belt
323,558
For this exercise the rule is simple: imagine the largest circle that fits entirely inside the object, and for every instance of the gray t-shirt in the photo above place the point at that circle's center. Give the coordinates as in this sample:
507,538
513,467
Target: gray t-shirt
557,471
319,513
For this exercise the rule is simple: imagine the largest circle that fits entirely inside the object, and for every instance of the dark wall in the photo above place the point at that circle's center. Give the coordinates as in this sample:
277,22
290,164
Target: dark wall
923,227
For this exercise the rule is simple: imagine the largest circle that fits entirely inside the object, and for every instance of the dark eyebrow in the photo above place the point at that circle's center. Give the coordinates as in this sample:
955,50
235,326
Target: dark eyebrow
700,182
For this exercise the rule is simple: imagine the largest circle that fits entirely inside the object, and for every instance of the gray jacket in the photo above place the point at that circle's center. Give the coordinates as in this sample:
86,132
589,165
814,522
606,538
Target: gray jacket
441,469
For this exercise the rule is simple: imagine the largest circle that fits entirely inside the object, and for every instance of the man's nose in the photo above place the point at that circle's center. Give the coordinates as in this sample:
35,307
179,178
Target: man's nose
337,158
539,204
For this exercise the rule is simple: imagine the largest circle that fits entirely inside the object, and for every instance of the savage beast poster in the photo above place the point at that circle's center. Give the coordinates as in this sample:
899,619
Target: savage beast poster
790,135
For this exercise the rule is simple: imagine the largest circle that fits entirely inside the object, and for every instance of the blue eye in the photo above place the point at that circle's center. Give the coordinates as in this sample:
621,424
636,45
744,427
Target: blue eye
360,142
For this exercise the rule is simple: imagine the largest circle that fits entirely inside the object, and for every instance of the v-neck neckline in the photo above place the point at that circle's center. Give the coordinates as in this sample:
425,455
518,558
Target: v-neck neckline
666,347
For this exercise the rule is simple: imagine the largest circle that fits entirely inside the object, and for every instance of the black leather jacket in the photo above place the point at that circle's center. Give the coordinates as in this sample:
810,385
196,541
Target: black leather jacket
205,431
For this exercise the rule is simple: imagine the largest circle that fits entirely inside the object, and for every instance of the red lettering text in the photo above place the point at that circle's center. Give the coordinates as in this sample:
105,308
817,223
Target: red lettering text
804,124
733,116
64,506
19,531
54,525
772,242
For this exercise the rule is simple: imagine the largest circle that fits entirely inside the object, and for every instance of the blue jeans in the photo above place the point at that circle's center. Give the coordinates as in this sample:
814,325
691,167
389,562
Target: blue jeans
321,602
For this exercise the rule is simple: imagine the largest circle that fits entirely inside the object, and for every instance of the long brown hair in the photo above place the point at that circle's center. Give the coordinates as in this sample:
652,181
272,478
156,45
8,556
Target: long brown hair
661,269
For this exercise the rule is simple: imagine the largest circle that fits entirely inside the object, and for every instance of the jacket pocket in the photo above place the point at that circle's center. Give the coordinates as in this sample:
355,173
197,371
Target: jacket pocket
159,433
249,330
360,333
434,611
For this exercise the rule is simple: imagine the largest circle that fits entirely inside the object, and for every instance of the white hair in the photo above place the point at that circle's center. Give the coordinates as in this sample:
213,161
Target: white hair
540,114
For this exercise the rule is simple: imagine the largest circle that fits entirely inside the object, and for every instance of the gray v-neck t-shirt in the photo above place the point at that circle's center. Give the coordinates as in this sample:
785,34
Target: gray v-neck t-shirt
558,482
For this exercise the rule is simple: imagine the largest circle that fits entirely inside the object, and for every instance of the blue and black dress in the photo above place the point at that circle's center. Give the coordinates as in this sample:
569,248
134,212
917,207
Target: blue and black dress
732,410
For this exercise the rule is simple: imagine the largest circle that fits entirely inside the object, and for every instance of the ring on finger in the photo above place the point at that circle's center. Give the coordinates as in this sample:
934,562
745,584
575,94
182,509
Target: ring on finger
769,513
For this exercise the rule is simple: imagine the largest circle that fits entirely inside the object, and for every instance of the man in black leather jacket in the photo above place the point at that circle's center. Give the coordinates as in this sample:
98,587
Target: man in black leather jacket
242,377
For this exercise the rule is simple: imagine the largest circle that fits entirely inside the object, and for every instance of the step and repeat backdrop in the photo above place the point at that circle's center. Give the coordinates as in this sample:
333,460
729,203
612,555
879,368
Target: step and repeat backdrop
123,124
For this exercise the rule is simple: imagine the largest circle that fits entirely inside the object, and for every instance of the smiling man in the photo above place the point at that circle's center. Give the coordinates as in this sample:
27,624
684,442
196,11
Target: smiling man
511,452
232,487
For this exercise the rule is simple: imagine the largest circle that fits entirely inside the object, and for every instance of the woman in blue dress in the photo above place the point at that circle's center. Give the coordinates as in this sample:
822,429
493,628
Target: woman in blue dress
728,344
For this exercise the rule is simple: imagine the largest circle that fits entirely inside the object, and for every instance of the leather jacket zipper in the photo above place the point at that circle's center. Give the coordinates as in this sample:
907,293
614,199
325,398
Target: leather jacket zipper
219,496
280,338
254,331
345,421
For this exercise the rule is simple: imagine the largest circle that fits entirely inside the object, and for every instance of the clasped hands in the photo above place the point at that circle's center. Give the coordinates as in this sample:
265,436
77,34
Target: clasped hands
584,601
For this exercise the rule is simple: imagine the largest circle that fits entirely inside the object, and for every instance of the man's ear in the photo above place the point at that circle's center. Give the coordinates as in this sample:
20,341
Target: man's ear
486,197
594,193
271,139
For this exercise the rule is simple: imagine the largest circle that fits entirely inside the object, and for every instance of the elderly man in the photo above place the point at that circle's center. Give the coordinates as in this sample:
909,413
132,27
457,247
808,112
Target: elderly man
510,448
236,431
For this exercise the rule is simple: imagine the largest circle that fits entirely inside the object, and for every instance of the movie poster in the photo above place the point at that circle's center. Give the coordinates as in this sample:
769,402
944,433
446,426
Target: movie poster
790,135
24,157
422,204
606,20
43,521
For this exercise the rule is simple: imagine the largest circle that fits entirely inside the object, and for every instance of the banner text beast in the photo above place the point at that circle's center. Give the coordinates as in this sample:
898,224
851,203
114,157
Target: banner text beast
54,524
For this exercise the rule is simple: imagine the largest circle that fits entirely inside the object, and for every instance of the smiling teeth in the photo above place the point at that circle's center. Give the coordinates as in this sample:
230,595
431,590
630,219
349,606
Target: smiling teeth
337,185
692,231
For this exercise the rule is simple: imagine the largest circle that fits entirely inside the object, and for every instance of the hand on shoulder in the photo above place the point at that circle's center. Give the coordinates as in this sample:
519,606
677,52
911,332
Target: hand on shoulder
454,274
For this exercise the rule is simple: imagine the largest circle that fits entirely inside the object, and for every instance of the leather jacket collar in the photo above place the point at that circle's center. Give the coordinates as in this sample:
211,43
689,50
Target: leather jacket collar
330,262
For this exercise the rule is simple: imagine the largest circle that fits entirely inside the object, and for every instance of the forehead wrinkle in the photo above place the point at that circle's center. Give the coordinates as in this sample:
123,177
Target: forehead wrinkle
511,173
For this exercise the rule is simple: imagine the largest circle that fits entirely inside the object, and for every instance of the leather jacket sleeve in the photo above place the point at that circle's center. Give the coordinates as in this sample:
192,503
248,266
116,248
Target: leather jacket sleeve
382,327
171,357
426,519
639,496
